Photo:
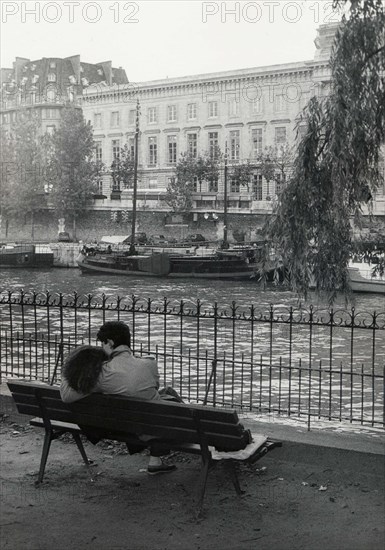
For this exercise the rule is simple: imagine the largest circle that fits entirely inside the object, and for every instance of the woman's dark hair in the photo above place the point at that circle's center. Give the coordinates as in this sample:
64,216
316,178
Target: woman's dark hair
83,366
117,331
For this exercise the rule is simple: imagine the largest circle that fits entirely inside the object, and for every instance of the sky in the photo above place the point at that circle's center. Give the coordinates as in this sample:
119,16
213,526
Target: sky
159,39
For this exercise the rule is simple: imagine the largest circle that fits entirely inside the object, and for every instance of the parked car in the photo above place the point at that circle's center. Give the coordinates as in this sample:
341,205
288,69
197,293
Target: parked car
194,238
158,239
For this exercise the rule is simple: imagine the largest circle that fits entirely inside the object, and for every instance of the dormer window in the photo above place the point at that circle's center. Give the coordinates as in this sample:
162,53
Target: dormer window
35,78
52,65
33,67
72,79
51,77
100,72
85,81
82,69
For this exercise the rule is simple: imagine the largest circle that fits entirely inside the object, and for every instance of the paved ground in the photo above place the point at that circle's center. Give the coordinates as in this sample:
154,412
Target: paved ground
301,497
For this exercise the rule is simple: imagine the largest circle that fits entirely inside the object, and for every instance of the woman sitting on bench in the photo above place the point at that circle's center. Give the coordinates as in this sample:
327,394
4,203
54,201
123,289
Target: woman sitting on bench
114,370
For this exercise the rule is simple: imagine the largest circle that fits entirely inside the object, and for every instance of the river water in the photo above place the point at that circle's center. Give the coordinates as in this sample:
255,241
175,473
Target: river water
224,293
244,293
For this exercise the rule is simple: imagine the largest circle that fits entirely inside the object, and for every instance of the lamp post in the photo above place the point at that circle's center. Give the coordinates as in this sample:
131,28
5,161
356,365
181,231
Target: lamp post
224,242
136,140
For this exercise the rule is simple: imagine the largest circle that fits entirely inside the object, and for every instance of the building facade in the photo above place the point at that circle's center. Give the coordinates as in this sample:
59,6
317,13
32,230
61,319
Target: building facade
47,84
242,112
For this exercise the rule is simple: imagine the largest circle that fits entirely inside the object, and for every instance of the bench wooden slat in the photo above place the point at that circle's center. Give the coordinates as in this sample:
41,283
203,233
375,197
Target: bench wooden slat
65,426
154,407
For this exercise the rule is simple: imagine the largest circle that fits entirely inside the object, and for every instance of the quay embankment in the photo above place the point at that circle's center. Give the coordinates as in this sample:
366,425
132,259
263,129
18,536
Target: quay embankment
65,254
319,490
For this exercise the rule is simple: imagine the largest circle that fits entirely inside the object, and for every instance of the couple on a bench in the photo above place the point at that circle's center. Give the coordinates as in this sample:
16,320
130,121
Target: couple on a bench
113,369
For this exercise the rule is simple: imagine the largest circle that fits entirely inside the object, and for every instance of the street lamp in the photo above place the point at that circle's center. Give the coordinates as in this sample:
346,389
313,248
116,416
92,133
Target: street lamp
132,245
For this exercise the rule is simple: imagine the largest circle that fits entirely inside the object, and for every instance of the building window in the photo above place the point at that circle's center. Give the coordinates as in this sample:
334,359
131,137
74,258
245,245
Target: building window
191,111
151,115
234,186
51,77
171,113
213,144
257,187
195,184
152,151
192,145
97,120
99,187
115,119
50,129
131,147
52,65
279,103
115,149
213,185
153,183
171,147
256,136
213,109
302,131
234,145
280,135
49,113
233,107
131,116
98,151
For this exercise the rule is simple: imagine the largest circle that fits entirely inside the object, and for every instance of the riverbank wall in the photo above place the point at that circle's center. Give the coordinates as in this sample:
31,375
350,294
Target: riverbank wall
94,224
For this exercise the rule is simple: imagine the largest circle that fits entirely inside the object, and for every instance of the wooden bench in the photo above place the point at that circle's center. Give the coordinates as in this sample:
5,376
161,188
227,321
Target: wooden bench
181,427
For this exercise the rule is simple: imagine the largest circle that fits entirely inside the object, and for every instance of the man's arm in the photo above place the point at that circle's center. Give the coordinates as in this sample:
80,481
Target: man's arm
69,395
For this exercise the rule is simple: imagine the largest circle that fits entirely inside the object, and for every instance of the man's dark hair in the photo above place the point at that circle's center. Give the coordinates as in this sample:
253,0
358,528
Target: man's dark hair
83,366
117,331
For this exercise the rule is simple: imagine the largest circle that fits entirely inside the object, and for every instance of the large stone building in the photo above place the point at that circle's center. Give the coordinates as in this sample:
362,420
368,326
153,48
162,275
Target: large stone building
47,84
241,111
245,110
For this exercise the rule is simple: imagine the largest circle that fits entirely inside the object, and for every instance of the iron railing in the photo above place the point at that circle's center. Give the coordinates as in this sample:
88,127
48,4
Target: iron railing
303,363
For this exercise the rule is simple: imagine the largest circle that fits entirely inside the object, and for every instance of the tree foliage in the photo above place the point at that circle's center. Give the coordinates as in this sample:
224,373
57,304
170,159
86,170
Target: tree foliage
241,173
72,169
336,168
22,168
188,170
122,169
275,163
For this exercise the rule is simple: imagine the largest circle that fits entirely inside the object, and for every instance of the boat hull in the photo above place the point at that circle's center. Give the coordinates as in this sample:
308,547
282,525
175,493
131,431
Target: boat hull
164,265
26,256
361,283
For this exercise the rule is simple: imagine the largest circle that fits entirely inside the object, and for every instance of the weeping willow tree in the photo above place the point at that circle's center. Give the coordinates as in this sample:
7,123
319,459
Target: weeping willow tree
336,169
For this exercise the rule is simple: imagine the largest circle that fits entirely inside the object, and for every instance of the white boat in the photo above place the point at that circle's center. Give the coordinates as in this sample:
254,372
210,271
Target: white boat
363,280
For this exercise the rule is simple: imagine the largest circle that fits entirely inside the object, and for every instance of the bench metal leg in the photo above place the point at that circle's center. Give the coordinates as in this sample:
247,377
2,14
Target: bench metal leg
231,468
203,482
79,444
49,436
87,462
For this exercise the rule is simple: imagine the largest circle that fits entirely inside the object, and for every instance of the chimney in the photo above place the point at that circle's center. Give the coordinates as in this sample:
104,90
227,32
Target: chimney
18,66
107,68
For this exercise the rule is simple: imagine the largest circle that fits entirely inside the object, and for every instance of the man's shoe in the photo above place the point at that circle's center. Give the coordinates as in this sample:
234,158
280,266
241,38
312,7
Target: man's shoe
162,469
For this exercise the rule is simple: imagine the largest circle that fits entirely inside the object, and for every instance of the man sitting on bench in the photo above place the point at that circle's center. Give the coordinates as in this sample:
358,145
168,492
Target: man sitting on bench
114,370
